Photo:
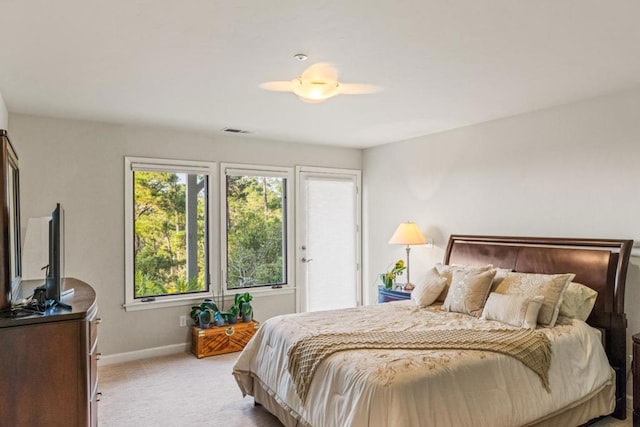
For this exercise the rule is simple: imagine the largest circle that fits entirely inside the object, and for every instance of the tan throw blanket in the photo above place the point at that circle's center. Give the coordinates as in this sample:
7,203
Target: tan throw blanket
531,348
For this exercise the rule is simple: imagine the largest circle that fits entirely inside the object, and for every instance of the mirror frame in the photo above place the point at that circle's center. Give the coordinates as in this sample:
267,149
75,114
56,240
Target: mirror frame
10,242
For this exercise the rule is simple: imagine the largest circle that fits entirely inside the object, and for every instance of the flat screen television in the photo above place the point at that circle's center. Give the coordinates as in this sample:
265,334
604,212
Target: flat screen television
55,269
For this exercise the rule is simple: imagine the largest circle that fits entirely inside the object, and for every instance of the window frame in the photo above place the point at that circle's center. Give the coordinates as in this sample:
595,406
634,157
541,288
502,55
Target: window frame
132,164
259,170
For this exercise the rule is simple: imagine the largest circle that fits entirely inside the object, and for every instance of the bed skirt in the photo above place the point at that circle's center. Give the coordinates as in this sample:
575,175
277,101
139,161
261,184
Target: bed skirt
603,402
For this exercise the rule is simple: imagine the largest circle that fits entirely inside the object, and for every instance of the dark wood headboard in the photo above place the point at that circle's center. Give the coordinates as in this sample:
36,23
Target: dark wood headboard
600,264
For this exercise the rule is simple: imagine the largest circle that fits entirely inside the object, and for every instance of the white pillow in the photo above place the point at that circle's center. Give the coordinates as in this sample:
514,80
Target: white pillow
514,310
550,286
578,301
425,293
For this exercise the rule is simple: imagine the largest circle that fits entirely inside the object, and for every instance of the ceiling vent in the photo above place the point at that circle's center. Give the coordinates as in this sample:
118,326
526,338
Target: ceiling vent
234,130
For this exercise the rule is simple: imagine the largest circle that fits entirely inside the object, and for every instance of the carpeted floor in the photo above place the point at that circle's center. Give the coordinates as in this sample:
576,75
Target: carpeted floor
181,390
174,391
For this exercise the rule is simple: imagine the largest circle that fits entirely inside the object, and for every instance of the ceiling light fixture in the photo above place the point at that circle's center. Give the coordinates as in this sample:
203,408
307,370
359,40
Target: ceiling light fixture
318,83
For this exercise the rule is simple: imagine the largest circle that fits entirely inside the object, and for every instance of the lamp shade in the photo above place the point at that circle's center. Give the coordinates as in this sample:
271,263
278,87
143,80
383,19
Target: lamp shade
407,233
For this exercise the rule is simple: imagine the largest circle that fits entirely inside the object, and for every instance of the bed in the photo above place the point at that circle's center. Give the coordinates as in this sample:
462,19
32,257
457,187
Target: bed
411,384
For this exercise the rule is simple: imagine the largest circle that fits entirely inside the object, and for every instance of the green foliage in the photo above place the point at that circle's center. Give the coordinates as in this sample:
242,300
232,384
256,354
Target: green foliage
160,236
255,231
243,302
231,316
145,285
205,306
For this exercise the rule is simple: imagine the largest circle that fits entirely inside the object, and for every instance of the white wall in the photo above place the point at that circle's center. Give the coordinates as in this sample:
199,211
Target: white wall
4,115
81,165
570,171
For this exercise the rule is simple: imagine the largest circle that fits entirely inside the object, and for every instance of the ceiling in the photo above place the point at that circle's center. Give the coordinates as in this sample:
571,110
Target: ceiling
197,64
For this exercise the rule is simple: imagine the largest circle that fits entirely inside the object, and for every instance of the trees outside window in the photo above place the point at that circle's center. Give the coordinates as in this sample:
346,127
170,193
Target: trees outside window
256,218
169,252
174,227
168,241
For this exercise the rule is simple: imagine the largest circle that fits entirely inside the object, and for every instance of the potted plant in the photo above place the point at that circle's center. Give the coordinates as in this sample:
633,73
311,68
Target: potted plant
203,314
218,318
243,302
232,315
246,312
388,278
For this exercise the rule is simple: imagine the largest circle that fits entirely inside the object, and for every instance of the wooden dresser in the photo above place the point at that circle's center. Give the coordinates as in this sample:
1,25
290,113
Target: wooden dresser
636,380
48,364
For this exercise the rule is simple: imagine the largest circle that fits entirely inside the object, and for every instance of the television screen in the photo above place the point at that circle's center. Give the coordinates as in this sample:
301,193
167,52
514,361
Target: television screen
55,272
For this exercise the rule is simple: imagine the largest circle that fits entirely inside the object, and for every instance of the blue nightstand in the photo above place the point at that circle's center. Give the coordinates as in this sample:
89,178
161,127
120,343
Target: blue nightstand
386,295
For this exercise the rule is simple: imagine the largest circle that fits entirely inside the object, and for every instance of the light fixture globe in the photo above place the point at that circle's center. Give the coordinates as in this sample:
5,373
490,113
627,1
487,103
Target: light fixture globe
314,91
318,83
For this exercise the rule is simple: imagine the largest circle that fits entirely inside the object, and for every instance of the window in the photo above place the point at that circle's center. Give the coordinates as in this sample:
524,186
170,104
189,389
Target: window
167,236
257,218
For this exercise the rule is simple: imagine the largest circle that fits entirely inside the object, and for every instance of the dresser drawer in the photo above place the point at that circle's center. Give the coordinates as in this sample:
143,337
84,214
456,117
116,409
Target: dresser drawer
93,332
93,373
93,410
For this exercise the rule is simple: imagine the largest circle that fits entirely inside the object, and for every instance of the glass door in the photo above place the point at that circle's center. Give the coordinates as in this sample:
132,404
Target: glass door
328,243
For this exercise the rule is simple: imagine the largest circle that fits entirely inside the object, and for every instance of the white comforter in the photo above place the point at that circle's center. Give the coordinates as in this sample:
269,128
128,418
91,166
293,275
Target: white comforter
415,387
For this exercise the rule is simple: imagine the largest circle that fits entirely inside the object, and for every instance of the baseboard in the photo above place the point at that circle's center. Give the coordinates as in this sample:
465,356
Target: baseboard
143,354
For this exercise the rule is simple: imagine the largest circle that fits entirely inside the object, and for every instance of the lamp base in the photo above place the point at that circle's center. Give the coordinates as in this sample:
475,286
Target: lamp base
406,287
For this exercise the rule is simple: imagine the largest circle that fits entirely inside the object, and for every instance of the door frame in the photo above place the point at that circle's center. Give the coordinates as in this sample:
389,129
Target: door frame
301,282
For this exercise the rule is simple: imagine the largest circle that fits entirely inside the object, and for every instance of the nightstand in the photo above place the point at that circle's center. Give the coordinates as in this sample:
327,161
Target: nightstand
636,380
386,295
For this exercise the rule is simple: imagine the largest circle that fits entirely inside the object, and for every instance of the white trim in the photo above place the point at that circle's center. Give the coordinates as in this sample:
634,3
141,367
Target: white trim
132,164
255,170
146,353
186,300
177,168
258,170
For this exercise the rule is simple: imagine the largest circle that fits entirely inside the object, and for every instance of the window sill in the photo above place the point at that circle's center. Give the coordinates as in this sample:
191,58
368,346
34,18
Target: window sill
166,302
262,292
197,299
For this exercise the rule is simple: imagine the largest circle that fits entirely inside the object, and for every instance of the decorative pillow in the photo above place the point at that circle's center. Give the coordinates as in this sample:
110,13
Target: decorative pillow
514,310
550,286
578,301
425,293
447,271
468,291
501,273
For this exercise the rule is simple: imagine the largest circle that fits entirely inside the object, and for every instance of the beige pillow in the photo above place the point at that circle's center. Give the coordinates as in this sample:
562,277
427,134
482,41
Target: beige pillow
550,286
501,273
468,291
578,301
425,293
447,271
514,310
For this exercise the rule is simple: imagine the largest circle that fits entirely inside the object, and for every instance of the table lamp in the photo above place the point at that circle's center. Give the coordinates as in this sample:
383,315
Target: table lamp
408,234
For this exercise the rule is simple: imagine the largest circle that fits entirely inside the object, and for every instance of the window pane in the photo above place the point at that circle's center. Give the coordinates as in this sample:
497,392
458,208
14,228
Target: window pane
170,233
256,232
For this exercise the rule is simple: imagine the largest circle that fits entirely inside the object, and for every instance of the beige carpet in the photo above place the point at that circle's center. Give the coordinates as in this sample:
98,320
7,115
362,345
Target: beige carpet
181,390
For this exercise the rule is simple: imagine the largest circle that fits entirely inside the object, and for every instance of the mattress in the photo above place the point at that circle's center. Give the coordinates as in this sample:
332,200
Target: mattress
402,387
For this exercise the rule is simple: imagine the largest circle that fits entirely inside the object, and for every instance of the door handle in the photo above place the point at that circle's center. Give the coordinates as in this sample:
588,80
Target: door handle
307,260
